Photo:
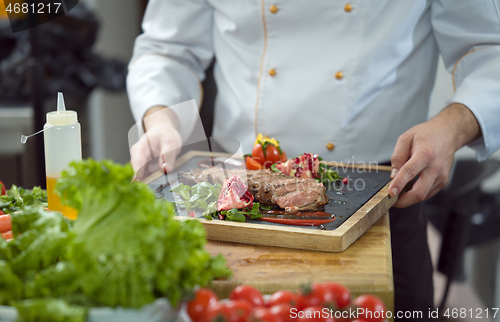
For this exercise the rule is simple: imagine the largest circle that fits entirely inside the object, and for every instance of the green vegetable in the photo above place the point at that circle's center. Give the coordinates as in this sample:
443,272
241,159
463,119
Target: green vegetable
211,208
199,196
128,248
11,286
49,310
59,280
204,196
239,215
125,249
5,251
326,174
17,198
234,215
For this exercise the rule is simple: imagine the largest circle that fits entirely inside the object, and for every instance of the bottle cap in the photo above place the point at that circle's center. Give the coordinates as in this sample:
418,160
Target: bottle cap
61,116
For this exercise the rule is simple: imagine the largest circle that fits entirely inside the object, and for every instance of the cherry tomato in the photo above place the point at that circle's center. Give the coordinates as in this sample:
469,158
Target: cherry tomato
371,303
240,310
280,297
263,314
249,294
282,311
341,293
315,296
219,312
283,156
197,307
258,154
272,155
253,164
314,314
4,189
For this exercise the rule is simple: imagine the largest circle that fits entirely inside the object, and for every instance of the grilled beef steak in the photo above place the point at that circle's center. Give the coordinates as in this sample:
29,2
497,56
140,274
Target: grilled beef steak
234,194
269,188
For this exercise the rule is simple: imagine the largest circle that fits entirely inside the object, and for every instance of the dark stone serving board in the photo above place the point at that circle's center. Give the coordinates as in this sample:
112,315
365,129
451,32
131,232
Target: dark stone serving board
345,200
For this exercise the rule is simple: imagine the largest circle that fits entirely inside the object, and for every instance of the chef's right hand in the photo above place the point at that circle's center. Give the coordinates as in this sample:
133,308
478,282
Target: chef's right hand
161,140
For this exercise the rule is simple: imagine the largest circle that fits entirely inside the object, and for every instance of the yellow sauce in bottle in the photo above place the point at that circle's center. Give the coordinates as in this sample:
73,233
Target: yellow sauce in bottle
55,201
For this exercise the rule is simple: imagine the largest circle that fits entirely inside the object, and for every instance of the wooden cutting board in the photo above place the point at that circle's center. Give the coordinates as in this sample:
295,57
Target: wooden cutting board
365,267
260,233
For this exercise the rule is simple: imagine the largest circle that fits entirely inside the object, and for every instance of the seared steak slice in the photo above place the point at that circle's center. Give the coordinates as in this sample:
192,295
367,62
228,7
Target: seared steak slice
190,177
290,193
269,188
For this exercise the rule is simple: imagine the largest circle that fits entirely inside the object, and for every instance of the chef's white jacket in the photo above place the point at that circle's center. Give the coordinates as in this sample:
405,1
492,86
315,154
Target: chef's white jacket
353,73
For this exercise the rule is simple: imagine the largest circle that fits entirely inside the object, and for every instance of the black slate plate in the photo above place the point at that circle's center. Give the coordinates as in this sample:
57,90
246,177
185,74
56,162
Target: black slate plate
345,200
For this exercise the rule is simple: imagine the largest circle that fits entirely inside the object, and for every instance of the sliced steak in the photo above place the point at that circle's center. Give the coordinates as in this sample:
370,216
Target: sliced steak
268,188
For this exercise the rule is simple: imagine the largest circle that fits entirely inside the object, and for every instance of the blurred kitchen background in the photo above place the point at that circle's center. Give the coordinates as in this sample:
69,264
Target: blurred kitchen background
104,112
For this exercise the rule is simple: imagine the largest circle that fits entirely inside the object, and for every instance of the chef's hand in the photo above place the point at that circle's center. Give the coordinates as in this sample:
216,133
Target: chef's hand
161,140
427,150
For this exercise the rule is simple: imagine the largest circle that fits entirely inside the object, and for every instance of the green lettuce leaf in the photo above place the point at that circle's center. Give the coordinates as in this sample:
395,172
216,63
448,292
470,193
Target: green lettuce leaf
11,286
49,310
128,248
5,251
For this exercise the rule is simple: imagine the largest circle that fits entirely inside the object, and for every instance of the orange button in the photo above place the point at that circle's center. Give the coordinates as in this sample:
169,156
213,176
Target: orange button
272,72
273,9
348,8
330,146
339,75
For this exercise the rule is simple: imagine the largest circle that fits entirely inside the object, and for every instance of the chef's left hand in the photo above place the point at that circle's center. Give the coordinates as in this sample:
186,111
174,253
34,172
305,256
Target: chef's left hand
427,150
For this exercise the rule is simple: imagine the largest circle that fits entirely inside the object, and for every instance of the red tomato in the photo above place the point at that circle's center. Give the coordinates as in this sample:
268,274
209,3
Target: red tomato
258,154
341,293
218,312
240,310
249,294
283,156
7,235
315,296
282,311
314,314
4,189
197,307
263,314
373,304
282,297
272,155
252,164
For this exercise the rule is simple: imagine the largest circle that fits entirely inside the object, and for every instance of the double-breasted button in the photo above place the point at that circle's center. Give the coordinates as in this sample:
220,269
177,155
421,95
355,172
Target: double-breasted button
330,146
272,72
339,75
348,8
273,9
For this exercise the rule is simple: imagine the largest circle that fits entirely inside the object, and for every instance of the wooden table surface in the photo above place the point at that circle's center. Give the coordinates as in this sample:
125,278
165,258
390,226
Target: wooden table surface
365,267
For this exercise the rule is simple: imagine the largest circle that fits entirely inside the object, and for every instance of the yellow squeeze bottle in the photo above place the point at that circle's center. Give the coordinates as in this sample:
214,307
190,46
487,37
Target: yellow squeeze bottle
63,144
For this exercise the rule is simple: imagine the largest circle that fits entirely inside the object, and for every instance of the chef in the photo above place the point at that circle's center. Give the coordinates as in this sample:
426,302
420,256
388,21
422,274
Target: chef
348,80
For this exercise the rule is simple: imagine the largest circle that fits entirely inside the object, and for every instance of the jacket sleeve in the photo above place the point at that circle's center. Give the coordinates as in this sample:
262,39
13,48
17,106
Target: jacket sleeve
468,37
170,58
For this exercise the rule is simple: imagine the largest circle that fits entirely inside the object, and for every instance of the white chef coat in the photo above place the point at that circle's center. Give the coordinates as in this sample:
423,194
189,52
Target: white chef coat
356,74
